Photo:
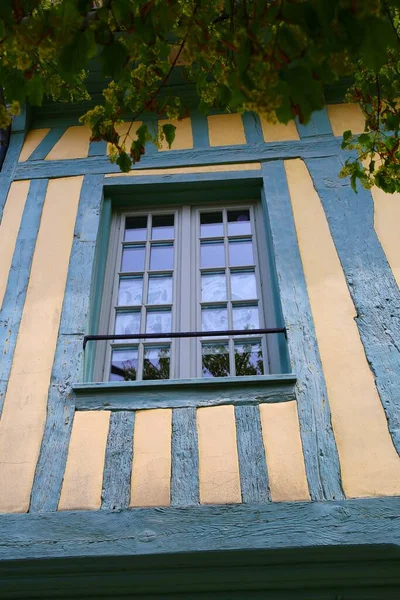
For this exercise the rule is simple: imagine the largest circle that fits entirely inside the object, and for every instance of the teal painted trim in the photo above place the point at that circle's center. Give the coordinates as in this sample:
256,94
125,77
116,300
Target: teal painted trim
199,129
47,144
319,124
18,279
320,452
18,131
68,360
116,490
163,531
370,280
252,128
251,453
97,148
184,393
307,148
185,458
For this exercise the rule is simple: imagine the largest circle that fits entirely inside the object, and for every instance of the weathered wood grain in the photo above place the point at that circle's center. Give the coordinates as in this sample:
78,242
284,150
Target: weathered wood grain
252,128
18,279
251,453
68,361
320,452
185,458
118,461
370,280
184,393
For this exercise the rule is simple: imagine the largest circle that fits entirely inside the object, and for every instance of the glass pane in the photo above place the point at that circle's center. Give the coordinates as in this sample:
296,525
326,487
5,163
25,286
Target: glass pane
211,224
156,363
241,253
124,365
213,287
214,319
160,290
243,285
127,322
130,291
245,317
212,255
215,360
238,222
135,229
161,257
162,227
158,321
248,359
132,258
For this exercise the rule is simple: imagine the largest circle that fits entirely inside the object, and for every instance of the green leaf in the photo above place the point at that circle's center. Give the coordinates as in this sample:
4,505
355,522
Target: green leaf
347,135
35,90
75,56
169,133
124,162
113,58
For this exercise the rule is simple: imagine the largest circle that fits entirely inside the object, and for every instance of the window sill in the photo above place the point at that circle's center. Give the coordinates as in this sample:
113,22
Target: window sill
184,393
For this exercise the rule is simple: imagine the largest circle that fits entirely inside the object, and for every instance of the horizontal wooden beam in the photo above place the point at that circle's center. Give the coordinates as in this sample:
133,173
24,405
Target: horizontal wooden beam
184,393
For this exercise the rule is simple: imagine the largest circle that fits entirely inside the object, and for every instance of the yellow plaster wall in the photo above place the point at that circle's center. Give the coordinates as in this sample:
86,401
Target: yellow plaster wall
73,144
151,469
9,228
32,141
24,413
279,132
123,128
387,227
83,478
369,463
226,130
218,460
183,134
344,117
284,453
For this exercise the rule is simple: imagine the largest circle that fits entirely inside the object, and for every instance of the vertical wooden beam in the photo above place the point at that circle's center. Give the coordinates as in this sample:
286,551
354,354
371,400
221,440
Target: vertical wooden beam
252,128
319,124
118,462
185,458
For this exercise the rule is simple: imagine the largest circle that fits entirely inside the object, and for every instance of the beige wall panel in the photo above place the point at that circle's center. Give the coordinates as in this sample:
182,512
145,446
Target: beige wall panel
279,132
369,463
218,459
73,144
226,130
9,228
344,117
32,141
183,134
387,227
256,166
83,478
122,129
284,452
24,413
151,469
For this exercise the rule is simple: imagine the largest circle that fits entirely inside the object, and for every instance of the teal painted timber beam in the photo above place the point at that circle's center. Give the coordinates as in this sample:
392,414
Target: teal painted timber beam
162,531
184,458
253,152
17,137
318,125
319,447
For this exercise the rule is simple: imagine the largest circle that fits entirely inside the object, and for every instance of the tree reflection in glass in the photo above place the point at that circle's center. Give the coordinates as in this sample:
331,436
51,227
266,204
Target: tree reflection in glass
215,360
124,365
249,359
156,363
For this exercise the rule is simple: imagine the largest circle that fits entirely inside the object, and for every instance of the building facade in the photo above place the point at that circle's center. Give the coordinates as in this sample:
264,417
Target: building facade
258,455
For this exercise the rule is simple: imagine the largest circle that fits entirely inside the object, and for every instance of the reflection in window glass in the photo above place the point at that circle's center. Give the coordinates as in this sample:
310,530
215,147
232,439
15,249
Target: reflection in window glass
161,257
214,319
213,287
124,364
211,224
158,321
160,290
162,227
135,229
156,363
215,360
240,253
127,322
243,285
249,359
245,317
238,222
130,291
212,255
132,259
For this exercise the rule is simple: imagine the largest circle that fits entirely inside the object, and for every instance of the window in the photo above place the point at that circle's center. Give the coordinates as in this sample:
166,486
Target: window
192,268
